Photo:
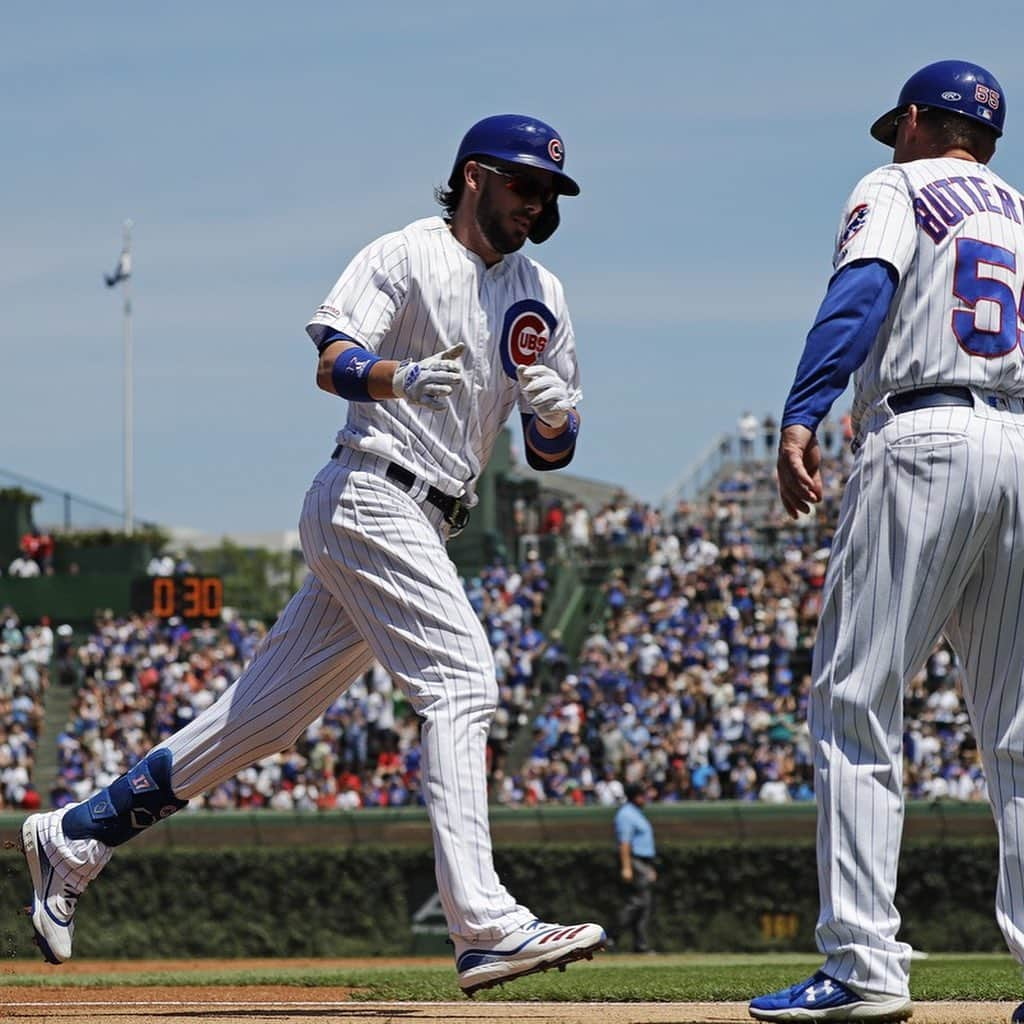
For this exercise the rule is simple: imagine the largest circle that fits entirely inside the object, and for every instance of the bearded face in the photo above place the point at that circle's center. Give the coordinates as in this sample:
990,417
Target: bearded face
502,217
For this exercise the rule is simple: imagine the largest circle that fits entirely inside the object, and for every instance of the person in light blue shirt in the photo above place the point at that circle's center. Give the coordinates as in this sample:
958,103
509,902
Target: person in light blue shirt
634,838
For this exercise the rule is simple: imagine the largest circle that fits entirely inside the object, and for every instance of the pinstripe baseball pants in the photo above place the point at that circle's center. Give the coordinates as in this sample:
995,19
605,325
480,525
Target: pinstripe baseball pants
930,540
382,586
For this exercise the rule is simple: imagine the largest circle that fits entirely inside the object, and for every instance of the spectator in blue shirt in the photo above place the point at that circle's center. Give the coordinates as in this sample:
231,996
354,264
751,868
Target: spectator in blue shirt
634,837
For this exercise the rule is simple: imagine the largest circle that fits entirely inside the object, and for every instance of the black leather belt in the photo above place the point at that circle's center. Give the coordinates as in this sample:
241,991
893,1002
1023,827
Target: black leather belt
927,398
456,515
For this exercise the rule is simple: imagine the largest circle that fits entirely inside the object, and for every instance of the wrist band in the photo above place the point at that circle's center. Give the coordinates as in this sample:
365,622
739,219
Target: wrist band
350,374
559,445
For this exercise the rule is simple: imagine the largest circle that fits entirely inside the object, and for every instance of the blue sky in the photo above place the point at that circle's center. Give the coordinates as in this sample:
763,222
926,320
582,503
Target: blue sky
258,147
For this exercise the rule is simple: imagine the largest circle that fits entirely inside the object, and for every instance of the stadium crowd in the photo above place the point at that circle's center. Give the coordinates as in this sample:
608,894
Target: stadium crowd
139,680
695,679
25,656
34,557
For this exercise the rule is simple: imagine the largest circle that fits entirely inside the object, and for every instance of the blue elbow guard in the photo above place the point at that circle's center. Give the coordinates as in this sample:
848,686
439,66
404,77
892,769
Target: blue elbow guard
350,374
139,798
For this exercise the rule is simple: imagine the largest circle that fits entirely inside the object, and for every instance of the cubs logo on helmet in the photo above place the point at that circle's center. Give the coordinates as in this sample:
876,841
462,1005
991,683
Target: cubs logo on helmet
525,334
516,139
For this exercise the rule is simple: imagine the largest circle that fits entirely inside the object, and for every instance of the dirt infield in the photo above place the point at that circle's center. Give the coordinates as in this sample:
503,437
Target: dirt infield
182,966
282,1005
287,1004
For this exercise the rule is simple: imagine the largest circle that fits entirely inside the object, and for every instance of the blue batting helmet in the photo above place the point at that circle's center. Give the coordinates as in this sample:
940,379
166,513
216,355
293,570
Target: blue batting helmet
516,139
954,85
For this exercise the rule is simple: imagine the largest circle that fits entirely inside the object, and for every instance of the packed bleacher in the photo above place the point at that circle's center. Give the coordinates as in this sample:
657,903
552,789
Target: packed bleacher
694,675
140,680
698,677
25,656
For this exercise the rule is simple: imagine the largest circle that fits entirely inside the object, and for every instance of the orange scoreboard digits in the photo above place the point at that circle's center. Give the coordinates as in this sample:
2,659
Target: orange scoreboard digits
162,597
190,597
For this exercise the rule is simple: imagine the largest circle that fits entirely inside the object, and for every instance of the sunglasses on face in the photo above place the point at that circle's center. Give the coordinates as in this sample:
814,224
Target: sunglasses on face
524,185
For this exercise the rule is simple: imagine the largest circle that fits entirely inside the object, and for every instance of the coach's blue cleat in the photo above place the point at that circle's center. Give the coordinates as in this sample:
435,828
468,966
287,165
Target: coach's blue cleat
1018,1015
535,947
823,998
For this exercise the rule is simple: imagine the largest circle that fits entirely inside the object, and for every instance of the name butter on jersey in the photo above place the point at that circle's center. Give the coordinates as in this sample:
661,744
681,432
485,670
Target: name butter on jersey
957,321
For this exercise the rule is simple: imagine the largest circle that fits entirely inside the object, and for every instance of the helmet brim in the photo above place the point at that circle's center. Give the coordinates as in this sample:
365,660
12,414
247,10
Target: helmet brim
884,129
565,185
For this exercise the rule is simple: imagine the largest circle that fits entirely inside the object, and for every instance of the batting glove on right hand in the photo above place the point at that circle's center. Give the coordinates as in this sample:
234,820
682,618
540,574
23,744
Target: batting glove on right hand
430,381
549,396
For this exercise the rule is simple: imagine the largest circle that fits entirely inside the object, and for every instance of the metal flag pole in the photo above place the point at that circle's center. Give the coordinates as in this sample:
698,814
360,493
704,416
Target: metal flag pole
129,483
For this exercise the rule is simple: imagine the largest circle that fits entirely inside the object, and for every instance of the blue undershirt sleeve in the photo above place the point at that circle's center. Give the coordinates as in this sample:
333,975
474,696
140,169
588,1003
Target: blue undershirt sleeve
851,314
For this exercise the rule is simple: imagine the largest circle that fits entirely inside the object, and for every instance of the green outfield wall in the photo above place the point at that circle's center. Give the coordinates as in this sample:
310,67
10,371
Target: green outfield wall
721,821
289,885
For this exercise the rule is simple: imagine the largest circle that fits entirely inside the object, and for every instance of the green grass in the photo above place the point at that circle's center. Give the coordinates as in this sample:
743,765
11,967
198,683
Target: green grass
667,978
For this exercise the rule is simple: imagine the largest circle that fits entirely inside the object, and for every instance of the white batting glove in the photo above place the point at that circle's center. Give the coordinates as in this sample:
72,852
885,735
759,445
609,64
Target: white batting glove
549,396
429,381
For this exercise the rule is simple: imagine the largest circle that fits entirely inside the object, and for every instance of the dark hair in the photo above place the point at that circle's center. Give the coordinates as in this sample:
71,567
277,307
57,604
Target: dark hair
450,198
635,789
954,131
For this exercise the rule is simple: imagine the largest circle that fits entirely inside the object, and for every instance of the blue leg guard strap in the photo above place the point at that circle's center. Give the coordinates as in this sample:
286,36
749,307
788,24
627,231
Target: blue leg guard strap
139,798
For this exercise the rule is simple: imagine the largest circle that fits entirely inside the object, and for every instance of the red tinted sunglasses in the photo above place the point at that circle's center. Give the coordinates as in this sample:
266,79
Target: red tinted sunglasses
525,186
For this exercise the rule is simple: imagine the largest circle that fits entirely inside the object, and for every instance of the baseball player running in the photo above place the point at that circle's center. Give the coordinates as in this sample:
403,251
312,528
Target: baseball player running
924,310
433,334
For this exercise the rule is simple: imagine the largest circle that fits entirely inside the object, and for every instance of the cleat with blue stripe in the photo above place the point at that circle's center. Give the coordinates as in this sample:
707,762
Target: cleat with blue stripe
53,899
821,998
535,947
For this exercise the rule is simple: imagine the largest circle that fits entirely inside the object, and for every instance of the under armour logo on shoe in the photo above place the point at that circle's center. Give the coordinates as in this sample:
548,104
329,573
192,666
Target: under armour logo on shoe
826,991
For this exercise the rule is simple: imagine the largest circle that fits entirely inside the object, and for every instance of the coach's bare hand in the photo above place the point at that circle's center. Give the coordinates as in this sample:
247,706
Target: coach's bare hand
429,381
799,469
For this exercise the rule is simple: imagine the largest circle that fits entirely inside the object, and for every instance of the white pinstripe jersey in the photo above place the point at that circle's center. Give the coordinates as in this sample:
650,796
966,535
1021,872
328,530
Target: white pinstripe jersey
419,291
954,230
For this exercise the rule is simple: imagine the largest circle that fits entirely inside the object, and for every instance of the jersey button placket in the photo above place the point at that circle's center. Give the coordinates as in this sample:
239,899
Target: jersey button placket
483,337
488,288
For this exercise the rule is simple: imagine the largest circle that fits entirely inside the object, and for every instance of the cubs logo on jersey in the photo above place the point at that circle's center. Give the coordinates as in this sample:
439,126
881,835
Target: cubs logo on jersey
525,334
854,222
857,219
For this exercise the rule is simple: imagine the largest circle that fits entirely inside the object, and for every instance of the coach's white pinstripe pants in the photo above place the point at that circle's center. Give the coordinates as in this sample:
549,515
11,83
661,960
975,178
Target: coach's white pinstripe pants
382,586
930,539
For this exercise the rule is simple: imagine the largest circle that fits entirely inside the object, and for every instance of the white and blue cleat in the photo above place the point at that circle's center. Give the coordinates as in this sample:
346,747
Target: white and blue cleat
535,947
821,998
53,899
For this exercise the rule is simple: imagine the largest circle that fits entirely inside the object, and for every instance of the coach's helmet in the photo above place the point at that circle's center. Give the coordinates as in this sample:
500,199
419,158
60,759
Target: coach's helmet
955,85
520,139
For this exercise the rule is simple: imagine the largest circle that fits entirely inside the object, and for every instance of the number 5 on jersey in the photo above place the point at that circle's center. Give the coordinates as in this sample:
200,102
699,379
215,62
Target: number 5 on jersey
988,332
